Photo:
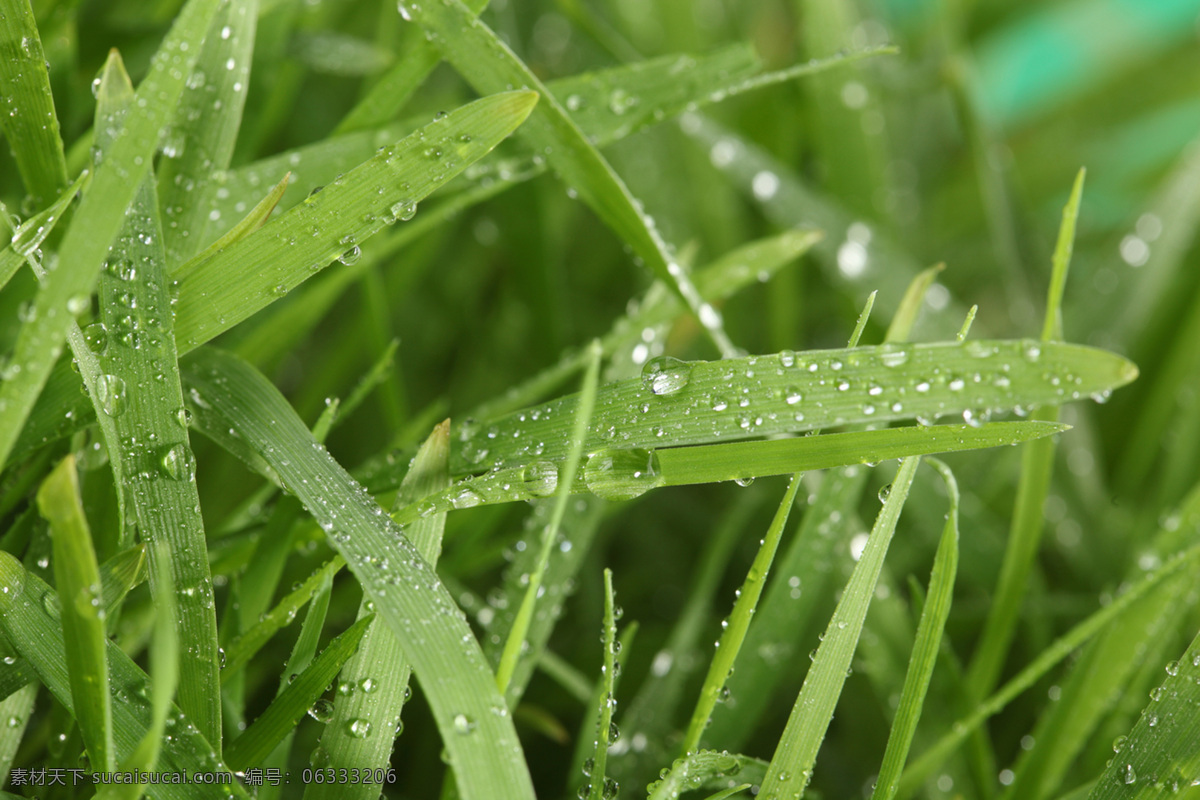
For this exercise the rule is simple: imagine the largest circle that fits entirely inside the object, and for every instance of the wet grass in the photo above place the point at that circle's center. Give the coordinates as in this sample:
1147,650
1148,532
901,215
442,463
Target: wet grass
361,363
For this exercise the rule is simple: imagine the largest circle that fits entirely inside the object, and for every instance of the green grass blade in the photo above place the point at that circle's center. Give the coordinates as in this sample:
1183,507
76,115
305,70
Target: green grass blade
217,294
200,143
377,676
1161,755
17,708
257,742
734,629
489,66
1062,647
77,577
705,769
482,744
792,765
1037,466
253,220
925,649
600,785
563,486
36,633
98,219
29,235
27,116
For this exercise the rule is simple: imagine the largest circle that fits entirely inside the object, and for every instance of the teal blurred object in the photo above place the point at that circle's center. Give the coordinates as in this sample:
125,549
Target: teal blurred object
1070,48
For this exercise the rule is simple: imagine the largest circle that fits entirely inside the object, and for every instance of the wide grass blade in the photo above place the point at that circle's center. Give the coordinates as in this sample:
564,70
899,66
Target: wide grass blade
36,633
218,293
77,578
925,648
98,219
792,765
27,116
680,403
481,743
376,678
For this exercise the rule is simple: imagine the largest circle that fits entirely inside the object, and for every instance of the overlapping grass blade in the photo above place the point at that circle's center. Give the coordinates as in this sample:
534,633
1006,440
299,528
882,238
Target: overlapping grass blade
1037,465
677,403
706,769
27,116
1062,647
200,143
37,635
257,742
220,292
792,764
77,578
146,430
377,675
99,218
925,648
481,742
29,235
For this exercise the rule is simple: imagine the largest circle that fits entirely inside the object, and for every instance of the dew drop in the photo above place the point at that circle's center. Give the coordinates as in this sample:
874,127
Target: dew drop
177,463
615,474
463,724
540,478
358,728
665,375
111,393
321,711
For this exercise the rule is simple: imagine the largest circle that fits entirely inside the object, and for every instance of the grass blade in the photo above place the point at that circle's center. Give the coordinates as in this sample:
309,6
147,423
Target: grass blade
925,649
705,769
37,635
218,293
77,577
793,392
481,743
600,785
98,220
27,117
29,235
792,765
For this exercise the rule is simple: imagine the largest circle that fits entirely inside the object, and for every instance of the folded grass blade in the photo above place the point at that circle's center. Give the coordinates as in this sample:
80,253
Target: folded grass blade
29,235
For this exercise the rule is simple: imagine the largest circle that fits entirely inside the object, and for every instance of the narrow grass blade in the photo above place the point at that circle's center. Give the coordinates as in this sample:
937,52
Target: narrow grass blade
734,629
489,65
147,431
29,235
481,743
77,577
98,219
706,769
253,220
257,742
600,785
17,707
925,648
1062,647
1037,465
239,652
792,765
679,403
1161,755
200,143
27,116
376,678
37,635
583,418
218,293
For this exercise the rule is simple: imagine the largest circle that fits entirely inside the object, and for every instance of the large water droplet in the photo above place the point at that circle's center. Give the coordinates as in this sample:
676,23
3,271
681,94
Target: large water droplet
351,256
404,210
95,336
358,728
110,391
541,478
177,463
321,711
621,474
665,375
463,724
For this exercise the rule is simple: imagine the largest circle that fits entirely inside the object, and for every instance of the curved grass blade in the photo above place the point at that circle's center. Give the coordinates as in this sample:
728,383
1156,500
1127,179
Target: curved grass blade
734,630
600,785
489,66
27,117
468,709
29,235
218,293
77,577
1062,647
98,220
37,635
200,143
258,740
706,769
17,708
377,675
1037,465
680,403
1161,755
925,648
792,765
